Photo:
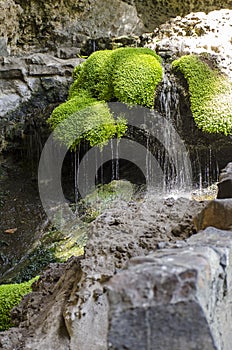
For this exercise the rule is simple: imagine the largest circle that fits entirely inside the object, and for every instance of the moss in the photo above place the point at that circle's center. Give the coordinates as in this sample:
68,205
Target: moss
85,118
210,95
107,72
103,197
10,296
135,80
128,75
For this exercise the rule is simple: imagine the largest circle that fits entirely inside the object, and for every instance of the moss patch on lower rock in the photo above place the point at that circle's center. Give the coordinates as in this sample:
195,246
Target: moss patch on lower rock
210,94
104,197
10,296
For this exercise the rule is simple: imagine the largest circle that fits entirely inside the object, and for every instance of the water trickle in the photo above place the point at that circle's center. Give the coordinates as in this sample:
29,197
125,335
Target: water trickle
76,173
173,158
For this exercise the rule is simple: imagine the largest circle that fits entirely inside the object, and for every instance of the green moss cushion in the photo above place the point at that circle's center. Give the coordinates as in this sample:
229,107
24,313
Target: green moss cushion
135,80
85,118
10,296
128,75
210,95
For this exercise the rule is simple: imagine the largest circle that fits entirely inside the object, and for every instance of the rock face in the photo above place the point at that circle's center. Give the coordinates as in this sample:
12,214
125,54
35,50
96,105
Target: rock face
225,183
124,293
208,35
80,304
29,25
28,85
174,299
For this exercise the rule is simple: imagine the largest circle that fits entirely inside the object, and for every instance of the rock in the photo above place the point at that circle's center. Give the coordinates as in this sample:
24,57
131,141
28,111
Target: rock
80,307
3,47
124,294
218,213
29,26
198,33
225,183
176,299
28,85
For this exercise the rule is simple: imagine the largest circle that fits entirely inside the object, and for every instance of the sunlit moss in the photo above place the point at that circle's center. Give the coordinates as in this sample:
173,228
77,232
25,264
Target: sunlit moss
10,296
129,75
210,95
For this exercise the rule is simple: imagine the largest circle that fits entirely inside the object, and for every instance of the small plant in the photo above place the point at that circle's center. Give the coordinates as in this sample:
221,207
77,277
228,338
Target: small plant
210,94
10,296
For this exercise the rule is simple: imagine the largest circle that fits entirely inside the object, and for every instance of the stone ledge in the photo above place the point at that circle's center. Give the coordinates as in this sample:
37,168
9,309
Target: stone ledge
175,298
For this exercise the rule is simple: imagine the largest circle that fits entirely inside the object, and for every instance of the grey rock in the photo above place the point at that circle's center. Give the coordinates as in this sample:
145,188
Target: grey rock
3,47
178,299
28,85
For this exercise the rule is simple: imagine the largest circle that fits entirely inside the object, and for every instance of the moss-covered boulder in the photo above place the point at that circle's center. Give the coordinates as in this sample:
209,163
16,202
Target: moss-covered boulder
210,94
10,296
129,75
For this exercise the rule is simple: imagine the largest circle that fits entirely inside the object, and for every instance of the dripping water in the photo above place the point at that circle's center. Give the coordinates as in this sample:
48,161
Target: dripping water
174,164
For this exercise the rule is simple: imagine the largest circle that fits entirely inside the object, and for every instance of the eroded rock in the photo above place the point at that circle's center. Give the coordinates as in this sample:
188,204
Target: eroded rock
218,213
29,85
81,308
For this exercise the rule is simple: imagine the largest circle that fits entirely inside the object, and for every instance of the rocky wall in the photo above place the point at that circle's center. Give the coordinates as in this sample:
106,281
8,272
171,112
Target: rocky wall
45,25
30,87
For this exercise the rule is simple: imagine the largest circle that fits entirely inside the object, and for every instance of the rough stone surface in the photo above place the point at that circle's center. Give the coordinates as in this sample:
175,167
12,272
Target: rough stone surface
140,285
27,25
225,183
128,230
174,299
197,33
28,85
218,213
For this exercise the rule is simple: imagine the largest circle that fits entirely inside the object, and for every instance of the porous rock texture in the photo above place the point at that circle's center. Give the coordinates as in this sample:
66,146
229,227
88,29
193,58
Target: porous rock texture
69,305
197,33
34,24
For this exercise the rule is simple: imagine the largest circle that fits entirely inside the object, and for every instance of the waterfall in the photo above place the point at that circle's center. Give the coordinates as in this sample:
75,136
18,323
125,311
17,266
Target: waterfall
174,158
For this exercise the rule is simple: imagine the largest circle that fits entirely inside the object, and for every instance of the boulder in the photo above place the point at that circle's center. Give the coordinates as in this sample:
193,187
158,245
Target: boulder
174,299
217,213
225,182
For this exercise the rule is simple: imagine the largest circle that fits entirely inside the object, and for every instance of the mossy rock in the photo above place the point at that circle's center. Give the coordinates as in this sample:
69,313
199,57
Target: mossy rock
85,118
210,94
113,75
10,296
104,197
135,80
129,75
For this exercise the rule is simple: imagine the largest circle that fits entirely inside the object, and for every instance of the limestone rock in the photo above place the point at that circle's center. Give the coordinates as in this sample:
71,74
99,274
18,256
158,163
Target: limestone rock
28,85
29,25
218,213
197,33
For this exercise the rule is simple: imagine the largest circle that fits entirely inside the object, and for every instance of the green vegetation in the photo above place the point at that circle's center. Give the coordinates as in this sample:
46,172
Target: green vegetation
210,94
129,75
83,117
55,246
103,197
10,296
